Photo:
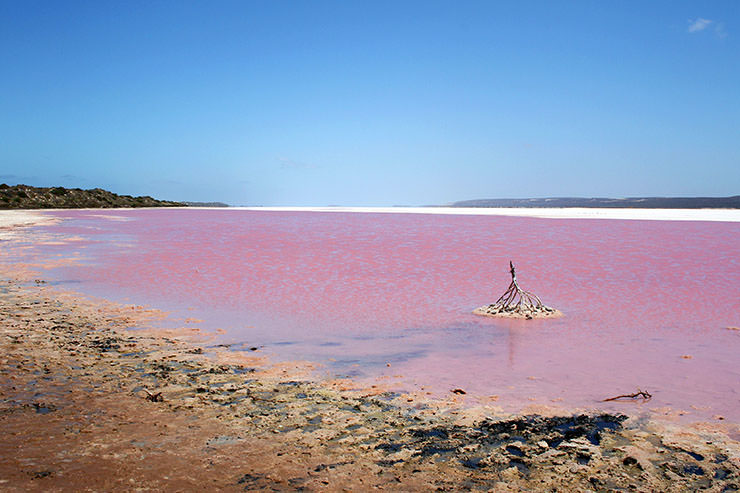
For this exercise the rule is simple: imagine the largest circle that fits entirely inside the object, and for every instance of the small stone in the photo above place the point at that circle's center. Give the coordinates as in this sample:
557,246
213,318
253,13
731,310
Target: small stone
510,474
671,476
631,461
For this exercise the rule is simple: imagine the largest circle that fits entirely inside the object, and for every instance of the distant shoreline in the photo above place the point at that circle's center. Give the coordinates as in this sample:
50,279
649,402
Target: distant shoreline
611,203
29,216
723,215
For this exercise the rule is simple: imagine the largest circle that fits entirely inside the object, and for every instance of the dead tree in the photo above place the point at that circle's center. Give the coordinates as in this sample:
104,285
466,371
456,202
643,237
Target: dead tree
517,302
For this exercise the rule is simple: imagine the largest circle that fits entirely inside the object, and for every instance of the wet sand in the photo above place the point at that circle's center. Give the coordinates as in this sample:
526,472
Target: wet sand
90,398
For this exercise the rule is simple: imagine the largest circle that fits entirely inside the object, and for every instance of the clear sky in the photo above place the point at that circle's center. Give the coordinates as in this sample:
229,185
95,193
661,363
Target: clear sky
371,102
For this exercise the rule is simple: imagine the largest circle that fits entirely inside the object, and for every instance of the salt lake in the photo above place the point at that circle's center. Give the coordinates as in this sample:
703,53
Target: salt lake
386,299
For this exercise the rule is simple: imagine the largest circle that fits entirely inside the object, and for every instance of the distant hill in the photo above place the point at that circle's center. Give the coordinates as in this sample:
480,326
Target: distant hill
205,204
628,203
28,197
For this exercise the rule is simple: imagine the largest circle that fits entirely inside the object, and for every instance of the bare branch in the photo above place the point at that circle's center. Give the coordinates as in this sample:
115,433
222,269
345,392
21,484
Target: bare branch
640,393
516,302
153,397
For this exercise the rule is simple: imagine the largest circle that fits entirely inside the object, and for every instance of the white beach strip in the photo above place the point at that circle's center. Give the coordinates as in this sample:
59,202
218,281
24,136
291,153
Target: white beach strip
15,218
725,215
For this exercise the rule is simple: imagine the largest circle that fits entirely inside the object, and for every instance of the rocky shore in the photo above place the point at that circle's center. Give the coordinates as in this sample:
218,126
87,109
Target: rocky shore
87,403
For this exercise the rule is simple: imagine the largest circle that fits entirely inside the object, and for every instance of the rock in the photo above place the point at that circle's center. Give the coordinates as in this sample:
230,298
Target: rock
636,457
554,456
631,461
511,474
580,445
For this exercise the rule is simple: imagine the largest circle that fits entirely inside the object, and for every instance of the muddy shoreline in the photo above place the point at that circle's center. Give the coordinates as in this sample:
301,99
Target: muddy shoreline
87,403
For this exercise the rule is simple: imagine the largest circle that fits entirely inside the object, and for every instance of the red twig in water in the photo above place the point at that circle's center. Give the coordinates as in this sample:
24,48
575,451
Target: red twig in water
640,393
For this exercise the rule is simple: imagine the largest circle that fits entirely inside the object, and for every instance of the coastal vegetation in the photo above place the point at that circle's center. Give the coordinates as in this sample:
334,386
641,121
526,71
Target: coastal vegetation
28,197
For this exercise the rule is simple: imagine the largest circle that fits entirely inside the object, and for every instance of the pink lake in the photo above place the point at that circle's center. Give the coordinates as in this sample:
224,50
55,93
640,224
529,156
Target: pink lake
358,291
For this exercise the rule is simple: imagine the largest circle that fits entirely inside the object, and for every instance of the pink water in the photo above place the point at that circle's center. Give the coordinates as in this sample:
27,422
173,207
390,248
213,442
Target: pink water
356,291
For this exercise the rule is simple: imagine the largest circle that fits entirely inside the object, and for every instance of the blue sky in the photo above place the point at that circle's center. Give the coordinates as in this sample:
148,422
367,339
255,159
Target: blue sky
371,103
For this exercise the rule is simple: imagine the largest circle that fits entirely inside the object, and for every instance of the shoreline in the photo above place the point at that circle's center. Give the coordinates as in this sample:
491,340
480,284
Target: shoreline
722,215
72,369
712,215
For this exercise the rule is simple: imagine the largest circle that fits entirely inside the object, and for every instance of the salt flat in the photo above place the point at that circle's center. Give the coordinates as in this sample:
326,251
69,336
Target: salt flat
18,218
724,215
9,218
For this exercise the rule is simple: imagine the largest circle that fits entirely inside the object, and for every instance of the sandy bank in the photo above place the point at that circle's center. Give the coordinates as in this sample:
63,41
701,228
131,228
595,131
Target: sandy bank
12,222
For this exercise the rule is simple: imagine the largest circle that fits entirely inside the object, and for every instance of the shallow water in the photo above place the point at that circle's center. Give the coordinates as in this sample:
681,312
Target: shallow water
647,303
